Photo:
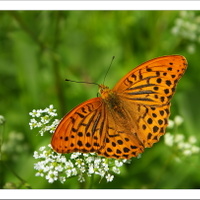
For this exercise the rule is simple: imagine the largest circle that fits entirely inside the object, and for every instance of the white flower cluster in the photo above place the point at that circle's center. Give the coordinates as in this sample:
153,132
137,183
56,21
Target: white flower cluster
181,146
187,26
56,167
43,119
14,145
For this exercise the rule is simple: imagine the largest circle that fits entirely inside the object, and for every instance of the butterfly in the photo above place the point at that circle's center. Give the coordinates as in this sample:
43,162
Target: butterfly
125,120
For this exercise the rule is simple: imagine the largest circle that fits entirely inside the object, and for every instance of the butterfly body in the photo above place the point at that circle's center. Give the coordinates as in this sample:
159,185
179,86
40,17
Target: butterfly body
126,119
111,100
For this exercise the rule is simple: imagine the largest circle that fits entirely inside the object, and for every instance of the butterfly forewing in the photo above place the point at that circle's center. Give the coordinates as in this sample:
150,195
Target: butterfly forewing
146,93
153,82
81,129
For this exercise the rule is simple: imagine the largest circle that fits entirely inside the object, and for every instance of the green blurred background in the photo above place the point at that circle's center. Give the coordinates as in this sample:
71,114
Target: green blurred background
39,49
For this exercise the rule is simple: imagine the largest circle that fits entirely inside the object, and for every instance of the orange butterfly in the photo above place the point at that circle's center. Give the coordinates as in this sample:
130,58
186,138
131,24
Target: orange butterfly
126,119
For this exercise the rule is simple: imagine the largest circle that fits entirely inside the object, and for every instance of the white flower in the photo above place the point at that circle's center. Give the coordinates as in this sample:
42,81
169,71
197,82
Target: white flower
106,167
116,170
192,139
33,124
82,169
177,159
42,148
79,162
89,159
42,119
47,168
81,178
118,163
126,161
36,155
175,30
182,146
39,174
187,145
169,139
69,165
179,138
51,128
74,172
39,166
2,119
45,119
191,48
187,152
75,155
91,169
57,167
178,120
109,178
170,124
62,179
68,173
52,176
186,27
97,161
100,172
51,111
195,149
63,159
35,113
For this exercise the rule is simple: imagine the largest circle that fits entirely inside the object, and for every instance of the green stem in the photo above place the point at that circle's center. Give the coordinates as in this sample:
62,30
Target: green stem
52,51
1,161
56,63
91,182
23,25
23,182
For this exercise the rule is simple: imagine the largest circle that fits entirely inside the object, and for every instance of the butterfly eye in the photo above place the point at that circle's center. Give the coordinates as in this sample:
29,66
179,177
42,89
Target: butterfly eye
102,89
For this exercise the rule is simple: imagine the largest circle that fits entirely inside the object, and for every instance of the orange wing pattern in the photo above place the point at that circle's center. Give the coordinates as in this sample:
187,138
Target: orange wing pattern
79,129
126,119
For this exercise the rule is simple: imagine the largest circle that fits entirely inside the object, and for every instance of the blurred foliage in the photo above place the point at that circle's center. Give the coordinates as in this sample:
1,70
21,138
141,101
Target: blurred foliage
39,49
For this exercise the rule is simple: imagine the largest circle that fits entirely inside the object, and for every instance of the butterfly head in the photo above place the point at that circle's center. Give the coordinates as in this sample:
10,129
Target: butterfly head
104,91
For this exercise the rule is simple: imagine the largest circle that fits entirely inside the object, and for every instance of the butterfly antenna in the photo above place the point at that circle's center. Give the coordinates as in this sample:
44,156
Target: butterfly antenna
81,82
108,69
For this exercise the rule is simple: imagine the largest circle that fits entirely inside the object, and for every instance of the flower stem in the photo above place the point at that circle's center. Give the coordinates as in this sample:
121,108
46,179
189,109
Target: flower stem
91,182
